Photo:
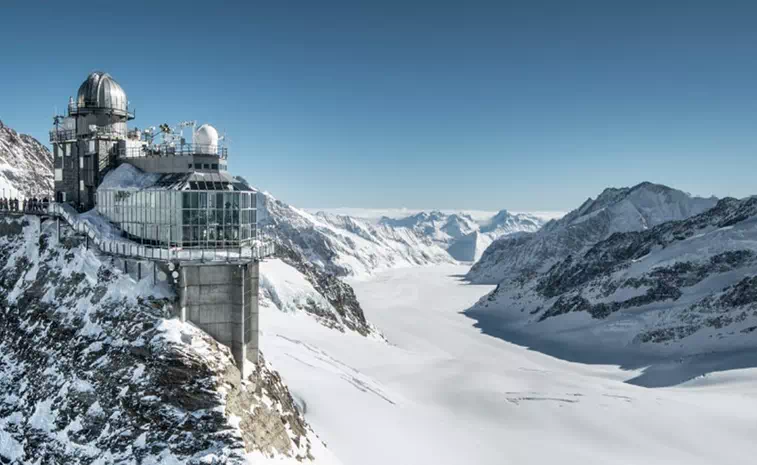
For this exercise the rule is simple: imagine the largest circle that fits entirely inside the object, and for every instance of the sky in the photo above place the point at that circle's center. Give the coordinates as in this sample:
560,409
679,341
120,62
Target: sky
527,105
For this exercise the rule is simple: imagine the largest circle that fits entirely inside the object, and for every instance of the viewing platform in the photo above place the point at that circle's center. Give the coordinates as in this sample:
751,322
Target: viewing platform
76,110
105,237
185,150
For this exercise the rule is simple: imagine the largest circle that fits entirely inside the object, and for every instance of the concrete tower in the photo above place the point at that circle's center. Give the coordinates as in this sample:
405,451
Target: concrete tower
85,142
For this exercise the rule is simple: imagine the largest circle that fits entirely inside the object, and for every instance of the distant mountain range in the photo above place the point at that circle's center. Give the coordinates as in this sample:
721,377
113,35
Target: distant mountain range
464,238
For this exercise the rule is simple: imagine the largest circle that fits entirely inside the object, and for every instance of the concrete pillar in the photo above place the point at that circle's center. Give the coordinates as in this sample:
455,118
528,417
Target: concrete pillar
222,299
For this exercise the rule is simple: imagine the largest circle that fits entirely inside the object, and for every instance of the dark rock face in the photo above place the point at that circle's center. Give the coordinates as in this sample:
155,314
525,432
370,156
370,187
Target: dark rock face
91,369
310,253
338,293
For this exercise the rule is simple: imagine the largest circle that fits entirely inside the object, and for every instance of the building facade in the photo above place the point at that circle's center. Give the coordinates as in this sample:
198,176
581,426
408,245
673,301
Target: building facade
155,188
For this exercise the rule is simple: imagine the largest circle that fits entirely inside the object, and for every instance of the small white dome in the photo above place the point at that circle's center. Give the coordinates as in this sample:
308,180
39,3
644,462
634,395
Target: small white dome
205,139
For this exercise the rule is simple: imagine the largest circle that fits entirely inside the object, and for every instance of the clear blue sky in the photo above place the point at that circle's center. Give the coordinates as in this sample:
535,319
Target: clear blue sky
528,105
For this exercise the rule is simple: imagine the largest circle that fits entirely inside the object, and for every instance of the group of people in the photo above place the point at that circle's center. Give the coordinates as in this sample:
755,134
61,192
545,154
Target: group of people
33,205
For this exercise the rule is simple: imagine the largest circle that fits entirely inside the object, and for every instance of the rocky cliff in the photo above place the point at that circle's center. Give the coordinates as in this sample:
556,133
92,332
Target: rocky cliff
93,371
26,166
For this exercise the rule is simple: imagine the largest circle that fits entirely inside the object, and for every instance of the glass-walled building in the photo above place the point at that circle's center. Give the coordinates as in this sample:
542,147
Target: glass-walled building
194,210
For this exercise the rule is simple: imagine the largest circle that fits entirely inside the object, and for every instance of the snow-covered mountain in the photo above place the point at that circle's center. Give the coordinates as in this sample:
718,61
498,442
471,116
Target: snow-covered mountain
92,370
25,165
637,208
342,245
681,288
464,238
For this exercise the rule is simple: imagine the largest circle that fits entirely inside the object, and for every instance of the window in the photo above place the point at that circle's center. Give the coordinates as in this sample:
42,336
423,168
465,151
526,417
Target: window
198,166
190,166
206,166
214,166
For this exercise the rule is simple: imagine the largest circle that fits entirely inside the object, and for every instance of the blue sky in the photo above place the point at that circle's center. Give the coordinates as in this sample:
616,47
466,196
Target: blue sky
529,105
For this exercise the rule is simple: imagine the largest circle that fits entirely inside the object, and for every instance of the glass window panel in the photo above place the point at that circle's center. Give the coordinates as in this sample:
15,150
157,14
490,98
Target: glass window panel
203,200
185,199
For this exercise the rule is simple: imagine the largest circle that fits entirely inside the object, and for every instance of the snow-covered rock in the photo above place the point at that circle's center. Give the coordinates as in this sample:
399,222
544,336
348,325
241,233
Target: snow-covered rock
517,256
92,370
463,237
25,165
681,288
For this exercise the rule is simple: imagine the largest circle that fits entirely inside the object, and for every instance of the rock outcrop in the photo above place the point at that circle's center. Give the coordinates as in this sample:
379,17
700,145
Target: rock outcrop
93,371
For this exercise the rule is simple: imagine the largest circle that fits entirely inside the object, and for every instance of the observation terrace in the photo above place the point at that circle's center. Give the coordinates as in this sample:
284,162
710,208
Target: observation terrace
164,150
99,231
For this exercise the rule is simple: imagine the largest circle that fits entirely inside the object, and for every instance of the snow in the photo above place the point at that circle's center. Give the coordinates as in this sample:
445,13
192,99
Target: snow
375,214
128,177
9,447
443,393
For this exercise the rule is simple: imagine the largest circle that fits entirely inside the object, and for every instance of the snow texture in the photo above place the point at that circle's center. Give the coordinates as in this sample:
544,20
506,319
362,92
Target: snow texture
93,371
444,394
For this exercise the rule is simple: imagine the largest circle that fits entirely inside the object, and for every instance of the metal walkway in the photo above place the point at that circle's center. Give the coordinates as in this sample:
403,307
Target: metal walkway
129,249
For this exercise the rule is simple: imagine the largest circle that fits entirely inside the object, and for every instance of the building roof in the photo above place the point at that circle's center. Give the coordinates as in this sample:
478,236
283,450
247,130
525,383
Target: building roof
100,90
129,177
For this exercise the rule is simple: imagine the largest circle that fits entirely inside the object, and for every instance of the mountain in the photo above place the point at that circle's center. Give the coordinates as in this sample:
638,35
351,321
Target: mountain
637,208
459,234
25,165
683,288
342,245
92,370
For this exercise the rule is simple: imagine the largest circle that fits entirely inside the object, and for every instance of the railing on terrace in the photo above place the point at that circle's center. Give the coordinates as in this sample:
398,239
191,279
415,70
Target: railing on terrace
168,151
73,109
61,135
129,249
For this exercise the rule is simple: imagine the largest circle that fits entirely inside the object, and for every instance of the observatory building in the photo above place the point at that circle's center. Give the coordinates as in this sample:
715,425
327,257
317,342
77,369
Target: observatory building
161,190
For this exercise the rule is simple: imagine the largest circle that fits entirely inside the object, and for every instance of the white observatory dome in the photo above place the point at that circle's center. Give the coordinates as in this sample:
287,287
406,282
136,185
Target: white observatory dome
205,139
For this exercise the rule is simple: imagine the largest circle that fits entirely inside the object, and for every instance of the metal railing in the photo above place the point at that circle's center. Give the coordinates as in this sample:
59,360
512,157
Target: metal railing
168,151
73,110
129,249
61,135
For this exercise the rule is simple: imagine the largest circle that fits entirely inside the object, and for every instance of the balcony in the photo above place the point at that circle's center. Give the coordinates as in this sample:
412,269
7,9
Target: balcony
168,151
74,110
62,135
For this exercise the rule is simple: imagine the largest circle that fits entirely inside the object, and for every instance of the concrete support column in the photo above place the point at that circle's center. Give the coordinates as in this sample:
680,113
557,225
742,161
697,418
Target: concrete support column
222,299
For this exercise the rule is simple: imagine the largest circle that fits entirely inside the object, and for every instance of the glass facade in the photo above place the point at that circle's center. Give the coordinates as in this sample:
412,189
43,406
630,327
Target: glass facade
188,218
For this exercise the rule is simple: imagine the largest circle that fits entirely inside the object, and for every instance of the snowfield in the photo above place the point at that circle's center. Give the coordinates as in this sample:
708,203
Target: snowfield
443,393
